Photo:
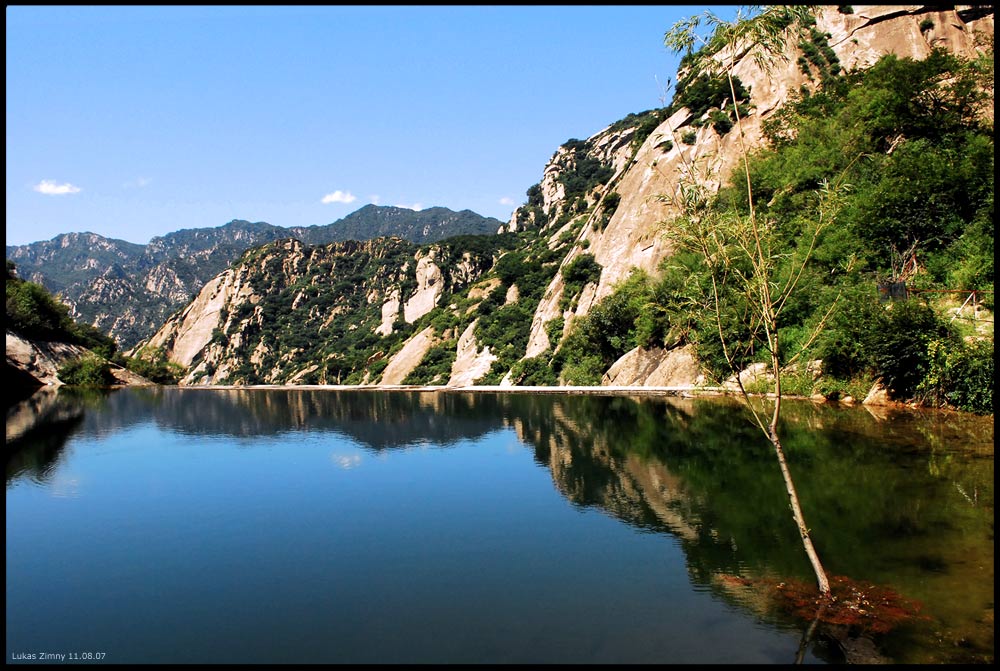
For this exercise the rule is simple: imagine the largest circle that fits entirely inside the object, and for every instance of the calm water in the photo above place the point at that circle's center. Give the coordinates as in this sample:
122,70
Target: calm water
171,525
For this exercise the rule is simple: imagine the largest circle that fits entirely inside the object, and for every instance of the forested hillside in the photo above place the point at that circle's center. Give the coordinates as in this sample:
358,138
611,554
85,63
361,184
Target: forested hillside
128,290
864,153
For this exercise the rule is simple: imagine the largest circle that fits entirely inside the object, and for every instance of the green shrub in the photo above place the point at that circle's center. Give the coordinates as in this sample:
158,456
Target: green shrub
585,371
865,338
152,364
376,368
700,92
960,376
87,371
491,301
611,202
584,173
510,268
32,312
535,197
505,331
934,191
612,327
836,389
798,383
689,137
720,121
581,271
443,319
554,330
435,367
649,123
533,372
926,24
900,352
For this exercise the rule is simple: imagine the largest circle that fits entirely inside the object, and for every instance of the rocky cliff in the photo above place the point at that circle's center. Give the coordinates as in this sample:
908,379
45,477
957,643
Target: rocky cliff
35,363
644,166
338,313
479,311
128,290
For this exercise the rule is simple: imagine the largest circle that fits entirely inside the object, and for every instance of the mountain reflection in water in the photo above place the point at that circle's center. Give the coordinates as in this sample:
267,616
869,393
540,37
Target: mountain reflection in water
904,499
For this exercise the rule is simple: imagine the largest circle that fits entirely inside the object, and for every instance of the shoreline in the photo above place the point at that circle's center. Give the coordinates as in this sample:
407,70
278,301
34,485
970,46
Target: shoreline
685,391
681,391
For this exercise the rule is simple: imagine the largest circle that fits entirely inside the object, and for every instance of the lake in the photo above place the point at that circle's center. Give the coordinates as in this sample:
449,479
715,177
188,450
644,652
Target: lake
166,525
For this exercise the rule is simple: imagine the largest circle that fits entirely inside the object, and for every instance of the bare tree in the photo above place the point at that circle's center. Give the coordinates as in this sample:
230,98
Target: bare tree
747,271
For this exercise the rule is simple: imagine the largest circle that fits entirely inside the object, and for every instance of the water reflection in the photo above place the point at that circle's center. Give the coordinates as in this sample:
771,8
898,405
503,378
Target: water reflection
904,499
375,420
39,426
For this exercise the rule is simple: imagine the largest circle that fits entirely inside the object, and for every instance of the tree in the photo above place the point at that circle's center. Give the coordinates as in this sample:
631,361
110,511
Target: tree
750,282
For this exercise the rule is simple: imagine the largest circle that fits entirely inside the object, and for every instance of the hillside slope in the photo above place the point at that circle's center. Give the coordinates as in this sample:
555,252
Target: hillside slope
128,290
594,219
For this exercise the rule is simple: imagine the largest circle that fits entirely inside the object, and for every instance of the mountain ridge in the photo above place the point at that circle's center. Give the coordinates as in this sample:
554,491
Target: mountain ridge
593,223
127,289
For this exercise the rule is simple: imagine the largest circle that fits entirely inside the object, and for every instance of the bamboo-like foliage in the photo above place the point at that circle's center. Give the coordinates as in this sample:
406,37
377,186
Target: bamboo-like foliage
749,276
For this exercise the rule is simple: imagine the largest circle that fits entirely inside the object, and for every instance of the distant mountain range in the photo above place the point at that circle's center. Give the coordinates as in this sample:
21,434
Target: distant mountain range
128,290
584,285
587,287
379,221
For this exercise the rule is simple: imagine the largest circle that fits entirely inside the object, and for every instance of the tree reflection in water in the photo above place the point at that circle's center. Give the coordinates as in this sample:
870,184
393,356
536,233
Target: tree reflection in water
884,491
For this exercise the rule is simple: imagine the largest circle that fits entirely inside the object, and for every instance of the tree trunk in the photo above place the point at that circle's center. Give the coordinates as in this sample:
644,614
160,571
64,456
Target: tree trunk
793,498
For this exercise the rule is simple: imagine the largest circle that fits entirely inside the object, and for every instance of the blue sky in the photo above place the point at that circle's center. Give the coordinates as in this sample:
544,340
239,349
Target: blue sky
135,122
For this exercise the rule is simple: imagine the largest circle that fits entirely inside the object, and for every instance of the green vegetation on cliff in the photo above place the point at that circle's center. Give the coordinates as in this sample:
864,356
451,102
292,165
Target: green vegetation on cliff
33,313
316,310
913,144
129,290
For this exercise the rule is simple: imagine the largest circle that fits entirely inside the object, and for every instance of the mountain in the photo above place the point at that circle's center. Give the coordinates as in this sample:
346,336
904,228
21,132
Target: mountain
336,313
380,221
578,288
128,290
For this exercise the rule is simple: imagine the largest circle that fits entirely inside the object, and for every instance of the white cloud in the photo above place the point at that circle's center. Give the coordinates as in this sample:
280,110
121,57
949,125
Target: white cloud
50,188
338,196
346,461
374,199
506,201
415,206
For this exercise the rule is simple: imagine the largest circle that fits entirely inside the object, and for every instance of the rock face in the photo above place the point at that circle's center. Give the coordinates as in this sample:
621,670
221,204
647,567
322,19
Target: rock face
429,288
199,319
643,175
471,363
128,290
407,358
293,313
40,360
390,309
877,395
37,363
655,367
